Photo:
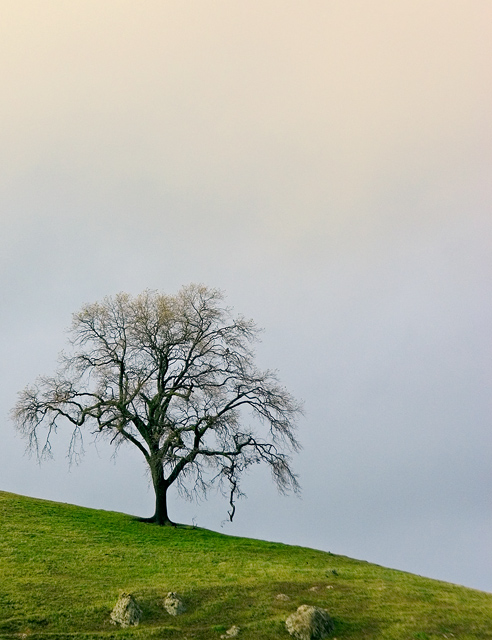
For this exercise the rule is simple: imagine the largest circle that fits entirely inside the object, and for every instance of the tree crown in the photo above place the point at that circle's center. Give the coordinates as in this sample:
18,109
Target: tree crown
174,376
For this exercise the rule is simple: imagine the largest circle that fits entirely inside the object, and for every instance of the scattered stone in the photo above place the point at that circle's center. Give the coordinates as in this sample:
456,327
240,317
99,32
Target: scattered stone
309,623
282,596
314,589
330,586
126,611
232,632
173,604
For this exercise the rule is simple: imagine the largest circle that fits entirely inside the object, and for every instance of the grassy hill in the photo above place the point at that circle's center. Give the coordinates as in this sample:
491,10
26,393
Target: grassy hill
62,567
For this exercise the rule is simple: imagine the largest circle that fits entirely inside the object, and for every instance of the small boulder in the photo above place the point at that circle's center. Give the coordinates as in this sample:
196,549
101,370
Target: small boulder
282,596
126,611
173,604
231,633
309,623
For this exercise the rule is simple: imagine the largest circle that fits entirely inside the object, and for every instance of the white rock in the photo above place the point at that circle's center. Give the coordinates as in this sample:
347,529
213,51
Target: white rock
173,604
309,623
126,611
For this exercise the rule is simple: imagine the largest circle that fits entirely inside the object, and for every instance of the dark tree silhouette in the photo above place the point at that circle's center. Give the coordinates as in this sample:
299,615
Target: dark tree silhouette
175,377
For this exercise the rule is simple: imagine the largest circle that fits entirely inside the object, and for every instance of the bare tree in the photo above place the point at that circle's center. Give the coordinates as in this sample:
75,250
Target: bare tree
175,377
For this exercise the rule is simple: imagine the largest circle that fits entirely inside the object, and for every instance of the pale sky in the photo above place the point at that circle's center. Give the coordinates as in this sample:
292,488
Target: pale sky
327,164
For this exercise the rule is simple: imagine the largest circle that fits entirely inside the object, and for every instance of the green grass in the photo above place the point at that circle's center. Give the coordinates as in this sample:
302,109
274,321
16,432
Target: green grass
62,567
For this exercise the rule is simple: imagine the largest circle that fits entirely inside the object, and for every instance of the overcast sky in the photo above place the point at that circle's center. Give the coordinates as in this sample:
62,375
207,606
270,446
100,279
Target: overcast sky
328,165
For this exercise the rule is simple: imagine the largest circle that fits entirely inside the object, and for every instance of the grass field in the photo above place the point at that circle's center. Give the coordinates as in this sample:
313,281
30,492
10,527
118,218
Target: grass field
62,567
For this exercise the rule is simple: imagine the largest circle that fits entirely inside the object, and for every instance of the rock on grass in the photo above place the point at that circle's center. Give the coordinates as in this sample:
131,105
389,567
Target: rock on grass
309,623
126,611
173,604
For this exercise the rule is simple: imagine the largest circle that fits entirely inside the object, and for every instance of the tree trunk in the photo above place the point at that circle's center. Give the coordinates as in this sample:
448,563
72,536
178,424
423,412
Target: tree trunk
160,487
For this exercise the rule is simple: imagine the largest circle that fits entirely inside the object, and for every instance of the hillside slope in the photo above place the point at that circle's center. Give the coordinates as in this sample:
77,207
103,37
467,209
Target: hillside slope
62,567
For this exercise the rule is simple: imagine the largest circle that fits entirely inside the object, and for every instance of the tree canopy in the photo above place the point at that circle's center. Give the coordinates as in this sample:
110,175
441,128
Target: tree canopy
174,376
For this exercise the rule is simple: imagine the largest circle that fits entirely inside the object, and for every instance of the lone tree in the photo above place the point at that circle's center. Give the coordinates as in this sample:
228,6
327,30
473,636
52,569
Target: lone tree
175,377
